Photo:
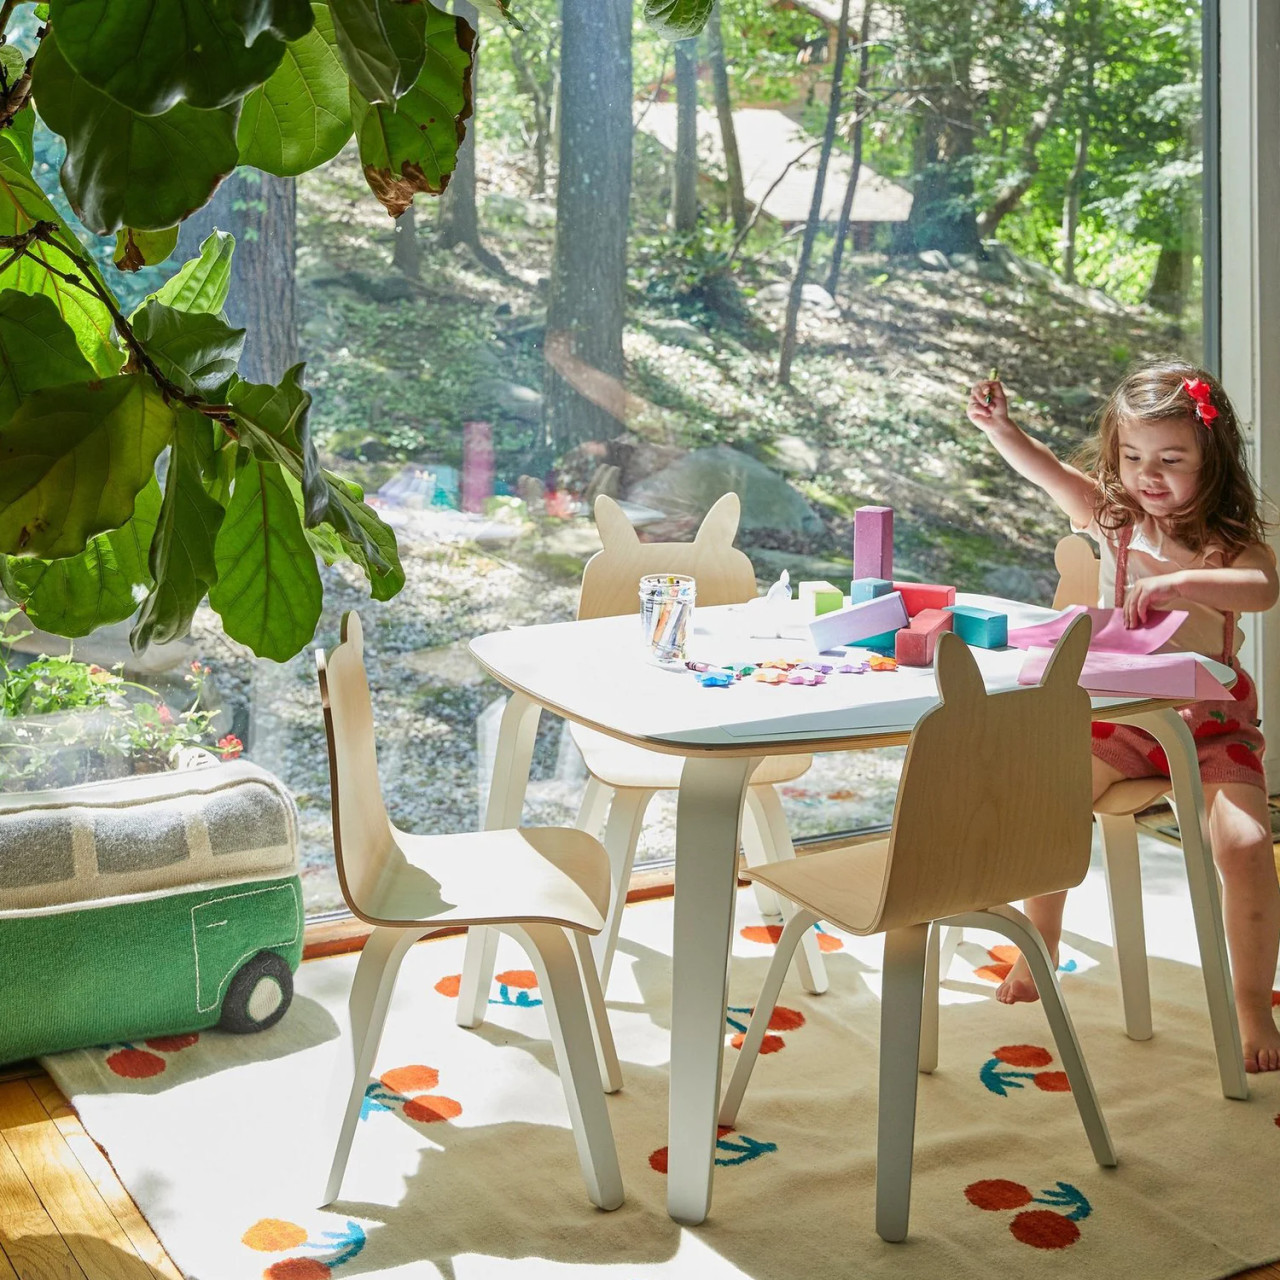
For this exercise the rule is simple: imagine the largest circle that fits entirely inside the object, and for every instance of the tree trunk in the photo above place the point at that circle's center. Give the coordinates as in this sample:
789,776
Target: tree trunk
684,194
259,210
815,205
724,110
855,170
587,305
1167,283
406,257
1071,204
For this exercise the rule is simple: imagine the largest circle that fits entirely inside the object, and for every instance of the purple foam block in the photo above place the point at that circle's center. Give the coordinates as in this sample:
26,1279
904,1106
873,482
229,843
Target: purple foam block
873,543
858,622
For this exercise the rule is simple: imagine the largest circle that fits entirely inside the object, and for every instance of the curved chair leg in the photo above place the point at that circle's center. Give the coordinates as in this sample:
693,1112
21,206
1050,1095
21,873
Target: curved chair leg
375,979
571,1036
799,924
766,808
595,804
477,975
621,832
929,1004
901,1001
602,1032
756,847
1026,937
1124,893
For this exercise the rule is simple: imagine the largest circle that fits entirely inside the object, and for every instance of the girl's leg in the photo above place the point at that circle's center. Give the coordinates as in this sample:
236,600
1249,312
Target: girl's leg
1046,913
1240,828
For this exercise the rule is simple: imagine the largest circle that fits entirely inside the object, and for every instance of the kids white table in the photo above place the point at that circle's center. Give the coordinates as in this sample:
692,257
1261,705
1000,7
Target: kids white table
595,673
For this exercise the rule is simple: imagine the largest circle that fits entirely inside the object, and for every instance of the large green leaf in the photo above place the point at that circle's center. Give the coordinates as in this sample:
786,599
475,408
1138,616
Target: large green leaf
197,350
284,19
201,284
124,169
381,43
137,249
149,55
37,349
76,595
302,116
72,460
366,539
268,591
413,146
677,19
182,550
22,204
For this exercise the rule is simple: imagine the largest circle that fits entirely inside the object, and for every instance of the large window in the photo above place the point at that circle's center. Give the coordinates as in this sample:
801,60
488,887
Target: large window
599,304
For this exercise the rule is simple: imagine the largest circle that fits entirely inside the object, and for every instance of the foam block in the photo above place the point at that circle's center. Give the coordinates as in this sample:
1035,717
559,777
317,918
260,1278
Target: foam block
873,542
924,595
821,597
858,621
914,646
884,641
868,589
982,628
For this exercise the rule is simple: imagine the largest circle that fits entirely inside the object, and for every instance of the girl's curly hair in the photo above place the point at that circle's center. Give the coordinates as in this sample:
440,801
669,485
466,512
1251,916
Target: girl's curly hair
1226,509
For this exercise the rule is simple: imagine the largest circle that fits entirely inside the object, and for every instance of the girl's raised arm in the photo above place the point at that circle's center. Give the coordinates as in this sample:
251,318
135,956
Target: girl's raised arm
1072,490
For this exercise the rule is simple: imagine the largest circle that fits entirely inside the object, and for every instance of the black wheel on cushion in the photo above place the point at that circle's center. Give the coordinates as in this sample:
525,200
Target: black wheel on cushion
258,996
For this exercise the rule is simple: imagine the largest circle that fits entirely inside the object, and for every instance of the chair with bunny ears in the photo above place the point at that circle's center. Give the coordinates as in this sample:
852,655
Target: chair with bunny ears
993,806
624,778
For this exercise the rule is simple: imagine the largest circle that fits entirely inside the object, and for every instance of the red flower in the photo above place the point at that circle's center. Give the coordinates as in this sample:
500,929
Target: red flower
1202,394
230,746
164,714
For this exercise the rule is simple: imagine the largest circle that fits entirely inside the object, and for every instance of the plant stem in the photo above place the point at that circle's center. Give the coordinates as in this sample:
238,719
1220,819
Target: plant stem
5,13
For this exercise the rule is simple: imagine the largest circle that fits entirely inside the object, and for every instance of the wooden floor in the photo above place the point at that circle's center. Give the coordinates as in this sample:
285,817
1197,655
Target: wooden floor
64,1214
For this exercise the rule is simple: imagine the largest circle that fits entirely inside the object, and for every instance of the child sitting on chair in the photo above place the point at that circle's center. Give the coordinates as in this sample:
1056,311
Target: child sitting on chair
1164,491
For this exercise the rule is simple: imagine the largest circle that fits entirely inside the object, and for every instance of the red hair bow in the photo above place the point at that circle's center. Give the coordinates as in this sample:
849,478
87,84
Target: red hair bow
1200,392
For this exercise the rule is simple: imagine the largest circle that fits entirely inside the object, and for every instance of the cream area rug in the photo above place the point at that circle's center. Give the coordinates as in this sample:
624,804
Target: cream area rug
463,1164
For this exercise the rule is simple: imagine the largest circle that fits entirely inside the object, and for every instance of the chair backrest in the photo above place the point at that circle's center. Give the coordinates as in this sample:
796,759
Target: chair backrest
994,803
1077,572
611,579
362,835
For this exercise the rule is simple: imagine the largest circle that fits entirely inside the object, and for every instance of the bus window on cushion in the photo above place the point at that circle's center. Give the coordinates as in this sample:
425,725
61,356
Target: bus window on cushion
254,816
132,838
35,848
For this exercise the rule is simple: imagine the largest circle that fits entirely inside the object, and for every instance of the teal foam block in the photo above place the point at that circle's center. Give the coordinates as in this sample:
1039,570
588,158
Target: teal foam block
868,589
886,641
982,628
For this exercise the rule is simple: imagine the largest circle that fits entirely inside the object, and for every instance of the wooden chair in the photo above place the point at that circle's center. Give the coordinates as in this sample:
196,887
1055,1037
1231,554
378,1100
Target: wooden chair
993,805
543,886
623,778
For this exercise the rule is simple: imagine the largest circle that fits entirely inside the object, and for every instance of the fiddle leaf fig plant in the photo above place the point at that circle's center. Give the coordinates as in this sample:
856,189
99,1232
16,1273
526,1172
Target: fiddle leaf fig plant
139,473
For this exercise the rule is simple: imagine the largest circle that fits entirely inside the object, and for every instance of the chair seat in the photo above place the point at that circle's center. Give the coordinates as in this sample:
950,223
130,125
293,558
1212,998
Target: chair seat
841,885
1131,796
534,875
622,764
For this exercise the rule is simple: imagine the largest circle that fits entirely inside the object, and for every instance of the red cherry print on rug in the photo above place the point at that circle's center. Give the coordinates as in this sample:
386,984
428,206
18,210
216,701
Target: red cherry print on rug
1051,1228
136,1064
297,1269
768,935
1044,1229
1023,1055
450,985
997,1193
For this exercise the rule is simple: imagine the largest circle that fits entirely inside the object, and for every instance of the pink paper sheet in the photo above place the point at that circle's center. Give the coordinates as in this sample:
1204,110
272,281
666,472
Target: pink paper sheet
1155,675
1110,635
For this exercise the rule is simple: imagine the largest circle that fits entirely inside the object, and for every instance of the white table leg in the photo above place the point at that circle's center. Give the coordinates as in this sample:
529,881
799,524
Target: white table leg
506,803
1171,732
708,815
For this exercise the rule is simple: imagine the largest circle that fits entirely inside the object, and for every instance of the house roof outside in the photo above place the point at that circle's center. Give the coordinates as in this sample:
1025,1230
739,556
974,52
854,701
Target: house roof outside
768,141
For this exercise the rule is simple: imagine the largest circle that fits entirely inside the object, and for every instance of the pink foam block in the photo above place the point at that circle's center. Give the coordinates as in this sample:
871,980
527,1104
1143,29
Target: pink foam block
918,596
858,622
914,646
873,542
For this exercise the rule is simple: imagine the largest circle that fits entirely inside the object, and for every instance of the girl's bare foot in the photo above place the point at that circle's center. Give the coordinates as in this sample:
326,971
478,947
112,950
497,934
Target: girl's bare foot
1261,1042
1019,987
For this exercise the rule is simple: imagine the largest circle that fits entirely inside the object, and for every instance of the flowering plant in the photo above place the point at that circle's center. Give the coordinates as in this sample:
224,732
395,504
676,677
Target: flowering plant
1202,396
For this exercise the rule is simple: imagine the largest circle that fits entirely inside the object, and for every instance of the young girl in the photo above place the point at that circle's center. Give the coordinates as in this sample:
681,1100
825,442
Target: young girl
1164,491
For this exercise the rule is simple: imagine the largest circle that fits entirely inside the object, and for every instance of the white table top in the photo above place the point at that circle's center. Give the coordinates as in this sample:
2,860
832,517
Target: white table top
596,673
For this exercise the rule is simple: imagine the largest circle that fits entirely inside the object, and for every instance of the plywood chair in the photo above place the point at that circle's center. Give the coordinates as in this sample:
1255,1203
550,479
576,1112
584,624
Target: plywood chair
993,805
623,778
548,888
1114,812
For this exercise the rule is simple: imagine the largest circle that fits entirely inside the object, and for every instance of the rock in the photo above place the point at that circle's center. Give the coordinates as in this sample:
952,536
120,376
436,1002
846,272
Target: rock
933,260
776,292
512,399
388,288
966,262
450,664
680,333
687,489
1011,581
794,456
811,295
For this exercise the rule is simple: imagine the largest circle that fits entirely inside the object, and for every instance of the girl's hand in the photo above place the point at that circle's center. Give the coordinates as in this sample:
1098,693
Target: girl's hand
1150,595
988,408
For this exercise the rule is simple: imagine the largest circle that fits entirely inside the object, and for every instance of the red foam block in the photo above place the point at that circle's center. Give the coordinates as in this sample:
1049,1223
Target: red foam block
914,646
924,595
